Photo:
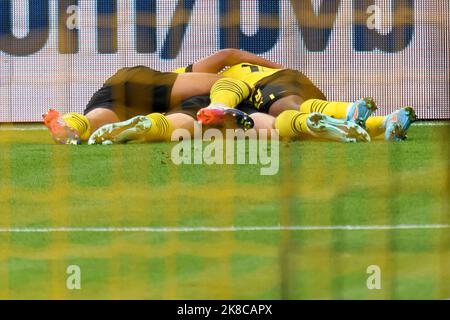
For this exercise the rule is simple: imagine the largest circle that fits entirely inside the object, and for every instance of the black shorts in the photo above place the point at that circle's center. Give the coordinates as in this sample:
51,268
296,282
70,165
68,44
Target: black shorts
282,84
134,91
192,105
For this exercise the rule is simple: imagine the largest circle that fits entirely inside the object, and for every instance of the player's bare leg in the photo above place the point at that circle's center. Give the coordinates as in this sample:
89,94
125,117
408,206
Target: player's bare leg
140,128
263,121
287,103
182,121
191,84
154,127
101,116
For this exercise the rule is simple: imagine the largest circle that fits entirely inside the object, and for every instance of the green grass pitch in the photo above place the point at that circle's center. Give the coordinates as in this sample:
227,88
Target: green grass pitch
43,185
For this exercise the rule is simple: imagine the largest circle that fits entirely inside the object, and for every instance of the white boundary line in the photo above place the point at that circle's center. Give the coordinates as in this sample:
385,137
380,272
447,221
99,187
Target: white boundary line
225,229
431,123
31,127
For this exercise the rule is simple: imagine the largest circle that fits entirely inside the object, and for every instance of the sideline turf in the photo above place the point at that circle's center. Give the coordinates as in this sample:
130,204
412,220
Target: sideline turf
319,183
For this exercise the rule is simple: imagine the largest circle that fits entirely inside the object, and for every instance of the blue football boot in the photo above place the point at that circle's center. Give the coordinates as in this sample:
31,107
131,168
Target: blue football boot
398,123
360,110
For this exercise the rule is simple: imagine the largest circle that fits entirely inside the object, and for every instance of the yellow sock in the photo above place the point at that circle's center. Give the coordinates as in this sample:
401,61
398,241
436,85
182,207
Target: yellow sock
333,109
375,126
161,129
80,123
291,124
229,92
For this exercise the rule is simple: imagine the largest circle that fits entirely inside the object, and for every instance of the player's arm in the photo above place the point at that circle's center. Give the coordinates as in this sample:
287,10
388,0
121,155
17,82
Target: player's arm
229,57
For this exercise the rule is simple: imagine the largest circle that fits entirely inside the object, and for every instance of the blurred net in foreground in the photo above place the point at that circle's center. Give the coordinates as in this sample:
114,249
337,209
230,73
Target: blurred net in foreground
140,227
231,233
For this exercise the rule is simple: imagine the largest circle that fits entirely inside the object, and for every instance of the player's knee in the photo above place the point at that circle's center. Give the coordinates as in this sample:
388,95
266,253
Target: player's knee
263,121
100,116
284,104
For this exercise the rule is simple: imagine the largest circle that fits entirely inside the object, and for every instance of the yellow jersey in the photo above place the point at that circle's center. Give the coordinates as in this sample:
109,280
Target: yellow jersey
268,85
249,73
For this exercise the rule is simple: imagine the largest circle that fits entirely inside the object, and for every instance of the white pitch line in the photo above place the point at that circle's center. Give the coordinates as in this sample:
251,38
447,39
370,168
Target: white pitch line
225,229
30,127
431,123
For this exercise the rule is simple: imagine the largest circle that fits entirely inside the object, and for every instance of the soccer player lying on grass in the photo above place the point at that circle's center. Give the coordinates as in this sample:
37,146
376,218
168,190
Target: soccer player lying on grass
301,108
140,90
262,92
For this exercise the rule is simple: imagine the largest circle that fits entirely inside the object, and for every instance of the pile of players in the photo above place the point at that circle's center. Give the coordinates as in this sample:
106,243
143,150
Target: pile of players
229,89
